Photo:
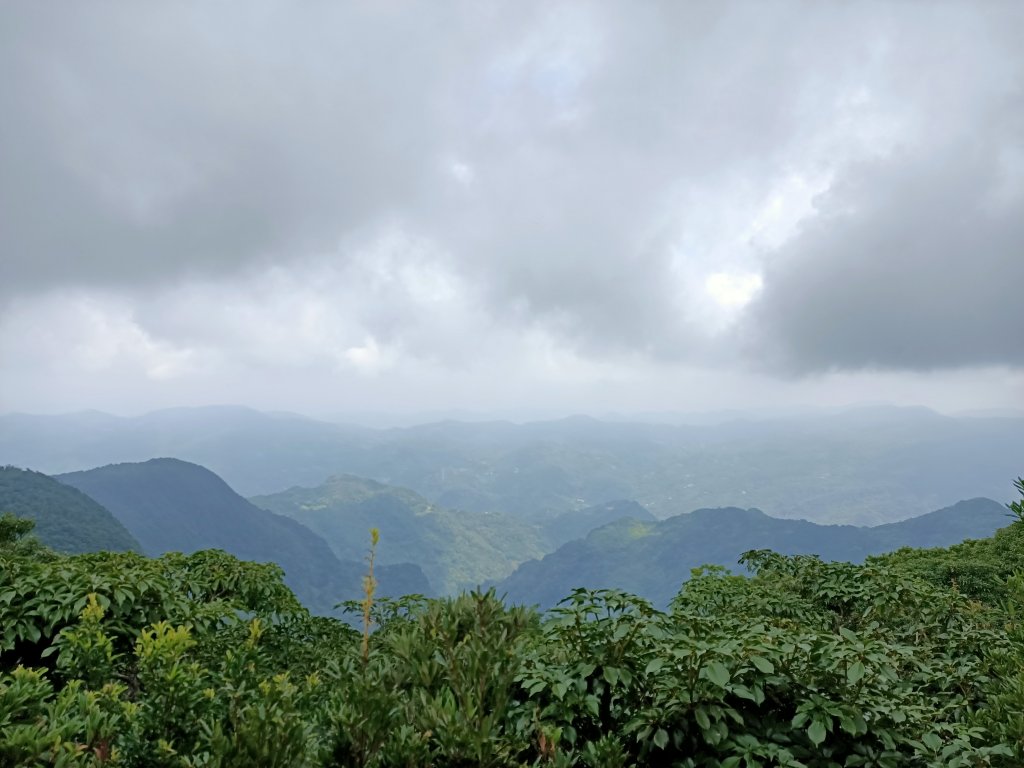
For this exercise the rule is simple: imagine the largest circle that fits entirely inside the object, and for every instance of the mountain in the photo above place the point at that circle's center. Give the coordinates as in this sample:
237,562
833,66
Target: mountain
66,519
971,519
653,559
863,466
175,506
576,524
456,549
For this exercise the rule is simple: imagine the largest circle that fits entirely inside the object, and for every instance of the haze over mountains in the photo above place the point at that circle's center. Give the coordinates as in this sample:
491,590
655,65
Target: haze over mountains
862,466
536,508
169,505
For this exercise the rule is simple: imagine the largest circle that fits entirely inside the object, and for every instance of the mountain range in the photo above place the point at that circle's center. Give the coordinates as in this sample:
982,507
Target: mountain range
654,558
535,508
319,536
863,466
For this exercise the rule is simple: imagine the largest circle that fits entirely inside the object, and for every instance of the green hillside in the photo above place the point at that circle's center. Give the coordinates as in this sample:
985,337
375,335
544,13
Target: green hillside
577,523
455,549
65,519
652,558
175,506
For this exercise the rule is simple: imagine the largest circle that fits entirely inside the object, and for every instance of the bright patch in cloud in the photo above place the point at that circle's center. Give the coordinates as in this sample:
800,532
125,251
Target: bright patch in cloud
733,290
462,172
790,201
368,359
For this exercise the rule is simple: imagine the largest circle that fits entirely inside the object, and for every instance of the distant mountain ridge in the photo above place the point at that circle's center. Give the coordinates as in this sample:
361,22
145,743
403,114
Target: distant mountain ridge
66,519
862,465
172,505
654,558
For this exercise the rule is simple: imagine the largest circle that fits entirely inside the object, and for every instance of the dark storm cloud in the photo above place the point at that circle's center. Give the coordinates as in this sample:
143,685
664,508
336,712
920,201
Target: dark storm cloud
914,261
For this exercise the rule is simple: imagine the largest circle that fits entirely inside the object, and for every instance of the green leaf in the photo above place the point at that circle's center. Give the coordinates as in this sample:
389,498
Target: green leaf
661,738
855,672
762,664
816,732
611,674
654,665
717,673
743,692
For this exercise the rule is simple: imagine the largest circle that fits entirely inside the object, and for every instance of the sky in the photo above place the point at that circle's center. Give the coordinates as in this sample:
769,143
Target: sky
334,207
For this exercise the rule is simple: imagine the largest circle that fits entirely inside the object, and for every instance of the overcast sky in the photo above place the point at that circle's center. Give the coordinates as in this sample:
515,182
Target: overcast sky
333,206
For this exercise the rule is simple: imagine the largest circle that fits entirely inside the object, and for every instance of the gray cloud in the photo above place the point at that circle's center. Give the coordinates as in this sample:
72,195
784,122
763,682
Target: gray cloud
270,184
914,260
149,141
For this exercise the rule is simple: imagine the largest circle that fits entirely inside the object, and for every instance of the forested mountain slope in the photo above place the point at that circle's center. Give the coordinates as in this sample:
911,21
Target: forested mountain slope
652,559
175,506
456,549
576,524
66,520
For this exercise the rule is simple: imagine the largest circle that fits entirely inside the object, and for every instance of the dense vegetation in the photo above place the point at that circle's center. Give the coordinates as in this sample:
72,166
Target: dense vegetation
981,568
65,519
175,506
202,660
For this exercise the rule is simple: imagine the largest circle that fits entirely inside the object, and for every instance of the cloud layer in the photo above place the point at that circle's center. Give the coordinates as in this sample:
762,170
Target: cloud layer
547,191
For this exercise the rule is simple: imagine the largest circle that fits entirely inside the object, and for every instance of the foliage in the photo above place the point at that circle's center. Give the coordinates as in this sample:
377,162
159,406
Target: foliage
978,568
204,660
16,537
1017,507
41,597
